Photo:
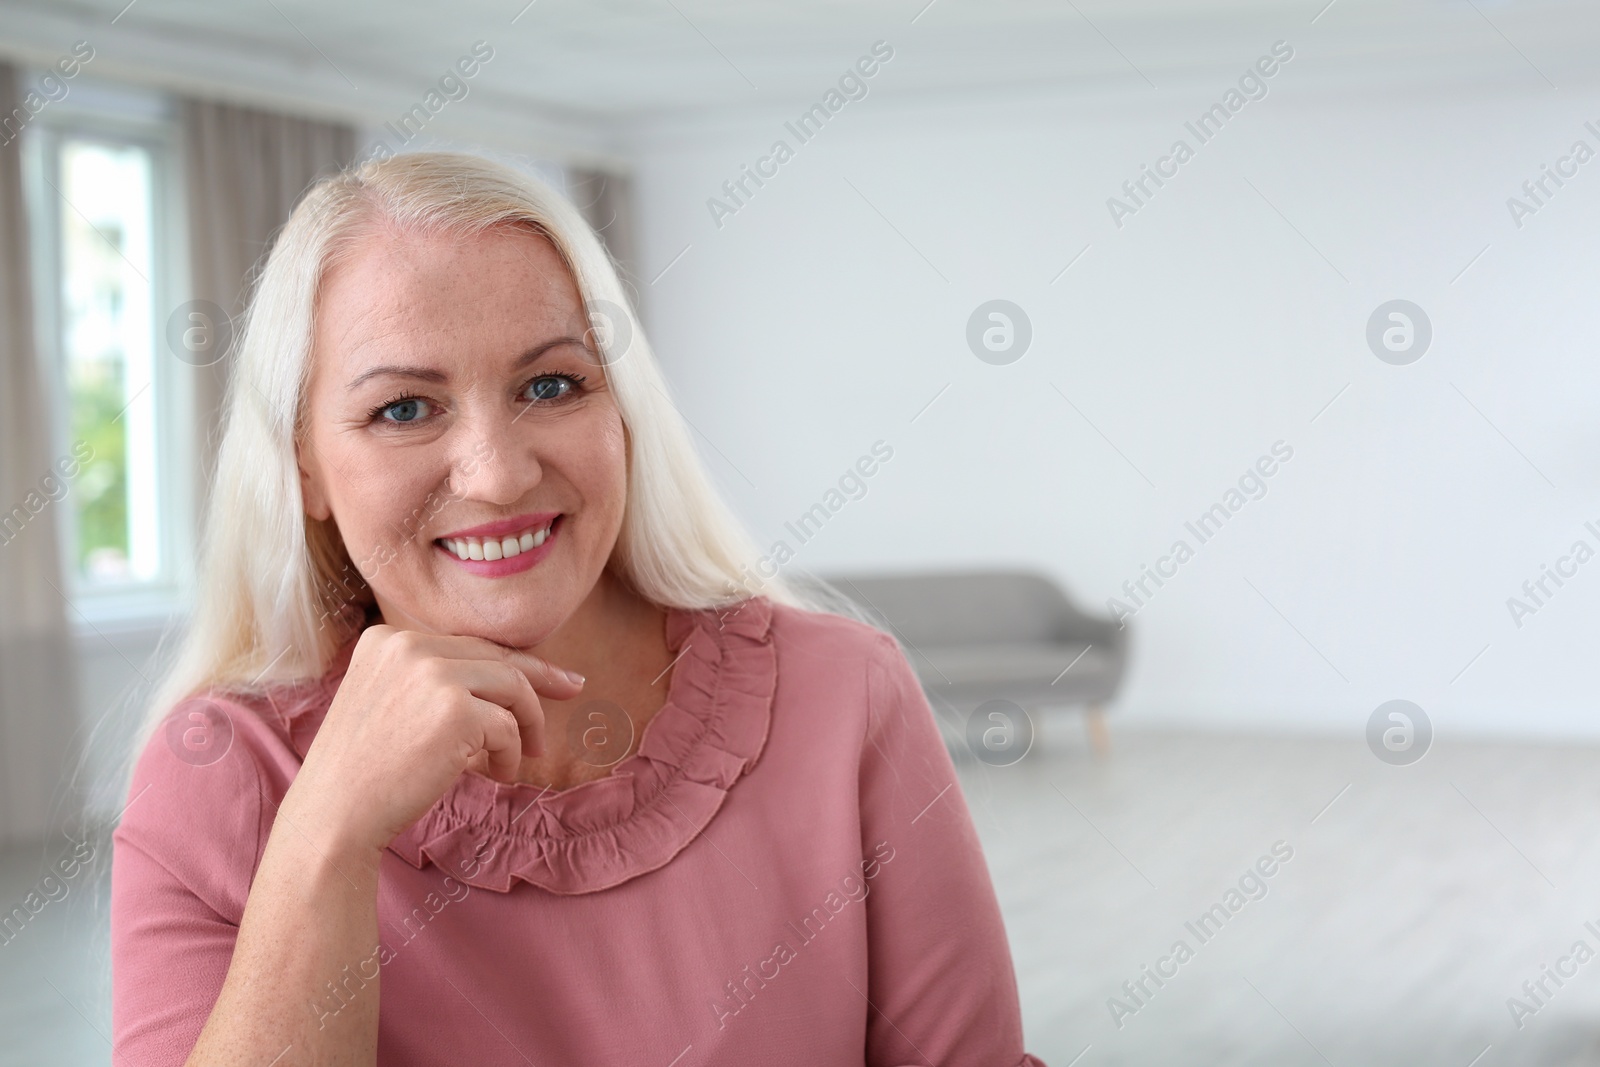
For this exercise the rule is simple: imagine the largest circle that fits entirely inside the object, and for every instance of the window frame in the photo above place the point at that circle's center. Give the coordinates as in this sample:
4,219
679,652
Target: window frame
119,115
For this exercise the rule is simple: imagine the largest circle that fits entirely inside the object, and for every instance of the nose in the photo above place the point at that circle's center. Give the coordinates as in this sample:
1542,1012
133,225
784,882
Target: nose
494,463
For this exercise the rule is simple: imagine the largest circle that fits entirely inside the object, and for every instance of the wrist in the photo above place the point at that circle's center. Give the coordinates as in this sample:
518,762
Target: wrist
322,833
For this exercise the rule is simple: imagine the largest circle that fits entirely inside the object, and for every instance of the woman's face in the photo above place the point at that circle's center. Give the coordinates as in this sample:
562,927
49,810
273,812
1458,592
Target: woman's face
456,408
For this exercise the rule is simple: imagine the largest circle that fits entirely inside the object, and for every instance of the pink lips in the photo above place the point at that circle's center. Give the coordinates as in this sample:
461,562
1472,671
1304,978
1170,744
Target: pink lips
502,527
500,568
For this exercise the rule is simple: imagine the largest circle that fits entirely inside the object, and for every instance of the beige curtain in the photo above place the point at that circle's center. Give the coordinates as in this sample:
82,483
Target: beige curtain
606,201
245,169
38,698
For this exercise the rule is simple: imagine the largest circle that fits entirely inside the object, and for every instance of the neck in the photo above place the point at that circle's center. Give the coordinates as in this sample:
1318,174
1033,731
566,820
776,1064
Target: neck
617,640
599,636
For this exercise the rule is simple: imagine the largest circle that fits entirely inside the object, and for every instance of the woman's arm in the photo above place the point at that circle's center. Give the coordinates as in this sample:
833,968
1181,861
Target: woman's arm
412,714
941,985
303,980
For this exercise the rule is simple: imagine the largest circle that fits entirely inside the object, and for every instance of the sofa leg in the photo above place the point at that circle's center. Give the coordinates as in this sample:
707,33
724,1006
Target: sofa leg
1094,720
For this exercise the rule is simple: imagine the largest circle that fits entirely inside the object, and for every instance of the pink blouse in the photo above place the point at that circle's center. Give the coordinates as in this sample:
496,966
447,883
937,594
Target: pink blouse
784,872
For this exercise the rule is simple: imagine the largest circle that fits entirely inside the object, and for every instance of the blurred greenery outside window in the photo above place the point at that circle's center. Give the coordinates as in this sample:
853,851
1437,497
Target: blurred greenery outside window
100,203
106,340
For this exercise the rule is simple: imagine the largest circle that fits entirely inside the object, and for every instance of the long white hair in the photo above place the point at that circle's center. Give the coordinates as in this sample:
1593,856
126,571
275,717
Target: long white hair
270,577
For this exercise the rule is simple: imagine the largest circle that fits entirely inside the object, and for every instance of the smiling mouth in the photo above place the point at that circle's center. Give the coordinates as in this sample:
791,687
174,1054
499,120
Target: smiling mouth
493,548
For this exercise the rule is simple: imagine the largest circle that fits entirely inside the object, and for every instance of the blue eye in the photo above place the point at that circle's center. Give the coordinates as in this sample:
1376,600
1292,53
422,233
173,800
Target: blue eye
409,410
549,387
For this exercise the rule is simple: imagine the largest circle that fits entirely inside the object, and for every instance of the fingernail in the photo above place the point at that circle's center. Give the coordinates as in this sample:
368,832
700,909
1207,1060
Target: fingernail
575,678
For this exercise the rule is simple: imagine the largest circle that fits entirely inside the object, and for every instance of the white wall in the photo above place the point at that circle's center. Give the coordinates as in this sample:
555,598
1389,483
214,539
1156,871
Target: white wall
1194,337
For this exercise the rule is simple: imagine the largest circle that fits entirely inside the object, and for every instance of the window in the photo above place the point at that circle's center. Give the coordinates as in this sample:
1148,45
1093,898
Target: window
101,168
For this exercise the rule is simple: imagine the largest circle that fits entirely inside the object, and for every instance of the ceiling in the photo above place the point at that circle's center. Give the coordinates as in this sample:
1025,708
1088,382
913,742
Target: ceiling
575,68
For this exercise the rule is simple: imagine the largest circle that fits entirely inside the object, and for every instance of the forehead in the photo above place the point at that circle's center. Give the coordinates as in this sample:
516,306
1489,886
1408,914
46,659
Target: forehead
424,294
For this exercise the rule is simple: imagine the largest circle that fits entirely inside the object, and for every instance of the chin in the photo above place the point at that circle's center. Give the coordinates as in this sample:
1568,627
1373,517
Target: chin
516,629
518,610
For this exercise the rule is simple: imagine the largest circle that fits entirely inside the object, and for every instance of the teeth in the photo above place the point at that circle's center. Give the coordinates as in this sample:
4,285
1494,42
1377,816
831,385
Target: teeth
497,548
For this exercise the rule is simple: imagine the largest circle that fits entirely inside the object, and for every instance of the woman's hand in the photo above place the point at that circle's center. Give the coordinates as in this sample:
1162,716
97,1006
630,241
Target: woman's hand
413,713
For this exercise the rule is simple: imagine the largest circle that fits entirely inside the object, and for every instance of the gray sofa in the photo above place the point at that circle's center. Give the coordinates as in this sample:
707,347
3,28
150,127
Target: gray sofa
974,636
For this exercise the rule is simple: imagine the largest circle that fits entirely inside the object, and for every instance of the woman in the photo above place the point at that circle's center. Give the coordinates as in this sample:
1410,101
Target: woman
485,745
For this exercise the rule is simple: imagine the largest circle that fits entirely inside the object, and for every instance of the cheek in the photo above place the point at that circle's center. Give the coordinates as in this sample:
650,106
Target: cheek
595,463
613,459
379,500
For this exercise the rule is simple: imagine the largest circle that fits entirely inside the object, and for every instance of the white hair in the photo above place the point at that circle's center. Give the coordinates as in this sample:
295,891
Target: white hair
270,576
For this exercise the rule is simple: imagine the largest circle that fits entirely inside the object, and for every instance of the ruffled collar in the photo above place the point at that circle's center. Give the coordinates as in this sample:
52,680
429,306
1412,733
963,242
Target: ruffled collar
600,833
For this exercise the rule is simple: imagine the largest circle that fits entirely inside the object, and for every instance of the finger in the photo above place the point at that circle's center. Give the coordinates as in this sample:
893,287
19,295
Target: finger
547,679
502,684
501,739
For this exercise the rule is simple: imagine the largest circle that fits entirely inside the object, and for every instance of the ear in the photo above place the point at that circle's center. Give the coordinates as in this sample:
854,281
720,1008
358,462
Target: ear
312,497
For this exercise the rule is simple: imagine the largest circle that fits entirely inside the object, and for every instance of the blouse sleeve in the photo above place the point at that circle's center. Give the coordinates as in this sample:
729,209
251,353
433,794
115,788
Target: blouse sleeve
183,856
941,985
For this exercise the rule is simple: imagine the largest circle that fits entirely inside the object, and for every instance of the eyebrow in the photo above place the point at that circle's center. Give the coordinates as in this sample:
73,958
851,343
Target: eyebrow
429,374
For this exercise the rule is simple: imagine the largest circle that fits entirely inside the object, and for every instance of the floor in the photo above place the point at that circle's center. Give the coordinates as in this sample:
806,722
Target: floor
55,1002
1415,901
